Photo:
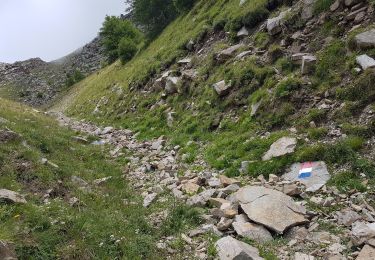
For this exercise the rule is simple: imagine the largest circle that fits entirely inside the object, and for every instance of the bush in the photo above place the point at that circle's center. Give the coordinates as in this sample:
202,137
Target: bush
126,49
183,5
73,78
115,29
322,5
153,15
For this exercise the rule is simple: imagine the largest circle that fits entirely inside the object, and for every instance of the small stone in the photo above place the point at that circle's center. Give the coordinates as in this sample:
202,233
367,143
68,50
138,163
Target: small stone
366,39
229,248
224,224
226,181
222,88
243,32
218,202
252,231
190,188
347,217
149,199
301,256
365,61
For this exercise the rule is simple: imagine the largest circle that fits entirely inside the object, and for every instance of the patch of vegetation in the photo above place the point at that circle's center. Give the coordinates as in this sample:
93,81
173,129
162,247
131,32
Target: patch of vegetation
285,87
73,78
362,90
322,6
331,61
100,226
261,39
120,38
181,218
346,181
317,133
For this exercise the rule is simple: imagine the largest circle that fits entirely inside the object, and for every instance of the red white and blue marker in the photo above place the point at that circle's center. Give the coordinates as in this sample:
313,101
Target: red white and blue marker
306,170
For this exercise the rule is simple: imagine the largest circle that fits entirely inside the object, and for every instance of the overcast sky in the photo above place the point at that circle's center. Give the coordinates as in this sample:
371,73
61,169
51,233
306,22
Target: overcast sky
50,29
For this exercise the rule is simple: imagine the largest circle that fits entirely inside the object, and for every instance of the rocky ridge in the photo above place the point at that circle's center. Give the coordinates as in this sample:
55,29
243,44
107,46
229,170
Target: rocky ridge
36,82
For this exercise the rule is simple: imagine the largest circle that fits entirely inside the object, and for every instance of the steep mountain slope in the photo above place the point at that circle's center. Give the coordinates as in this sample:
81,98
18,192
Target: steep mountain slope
36,82
253,88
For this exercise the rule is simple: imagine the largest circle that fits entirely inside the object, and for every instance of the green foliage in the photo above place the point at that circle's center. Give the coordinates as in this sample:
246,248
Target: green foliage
261,39
275,51
183,5
362,90
113,32
317,133
322,6
287,86
154,15
346,181
330,61
126,49
181,218
74,77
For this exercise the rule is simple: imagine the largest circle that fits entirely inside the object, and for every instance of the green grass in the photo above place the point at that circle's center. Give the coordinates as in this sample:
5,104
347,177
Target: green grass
102,227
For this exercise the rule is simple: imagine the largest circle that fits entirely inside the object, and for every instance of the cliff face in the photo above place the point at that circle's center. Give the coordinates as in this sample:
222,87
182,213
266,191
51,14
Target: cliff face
37,82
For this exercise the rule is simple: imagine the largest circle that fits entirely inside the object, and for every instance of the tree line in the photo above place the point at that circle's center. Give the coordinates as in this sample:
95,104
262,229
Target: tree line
122,38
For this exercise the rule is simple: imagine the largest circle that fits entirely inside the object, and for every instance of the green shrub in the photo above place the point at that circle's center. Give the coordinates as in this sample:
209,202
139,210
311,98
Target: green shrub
362,90
275,51
331,60
126,49
286,86
73,78
317,133
322,6
346,181
261,39
114,29
183,5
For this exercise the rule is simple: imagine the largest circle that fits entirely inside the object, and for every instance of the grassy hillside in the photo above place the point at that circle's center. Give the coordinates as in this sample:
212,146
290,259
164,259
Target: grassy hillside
126,98
99,226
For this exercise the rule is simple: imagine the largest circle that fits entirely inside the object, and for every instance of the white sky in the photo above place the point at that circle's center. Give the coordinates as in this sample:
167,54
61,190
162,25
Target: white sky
50,29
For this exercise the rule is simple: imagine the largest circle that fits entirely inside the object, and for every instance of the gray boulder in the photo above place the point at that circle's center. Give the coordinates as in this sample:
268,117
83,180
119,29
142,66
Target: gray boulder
171,85
313,175
11,196
274,25
367,252
308,64
365,61
252,231
229,248
229,52
284,145
366,39
222,88
258,202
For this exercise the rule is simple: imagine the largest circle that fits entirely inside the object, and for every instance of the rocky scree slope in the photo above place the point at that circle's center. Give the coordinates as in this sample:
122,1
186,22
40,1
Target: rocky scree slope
36,82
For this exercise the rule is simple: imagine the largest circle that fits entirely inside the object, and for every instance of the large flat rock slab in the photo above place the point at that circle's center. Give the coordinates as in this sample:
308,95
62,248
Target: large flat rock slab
270,208
229,248
313,175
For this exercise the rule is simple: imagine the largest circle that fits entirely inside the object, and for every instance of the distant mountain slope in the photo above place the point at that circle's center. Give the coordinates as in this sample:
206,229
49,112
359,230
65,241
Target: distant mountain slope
37,82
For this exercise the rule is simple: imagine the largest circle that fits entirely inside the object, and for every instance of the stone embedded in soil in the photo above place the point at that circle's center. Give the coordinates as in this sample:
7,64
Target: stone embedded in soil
229,248
365,61
366,39
313,175
149,199
252,231
7,251
222,88
259,202
347,217
11,196
367,253
283,146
